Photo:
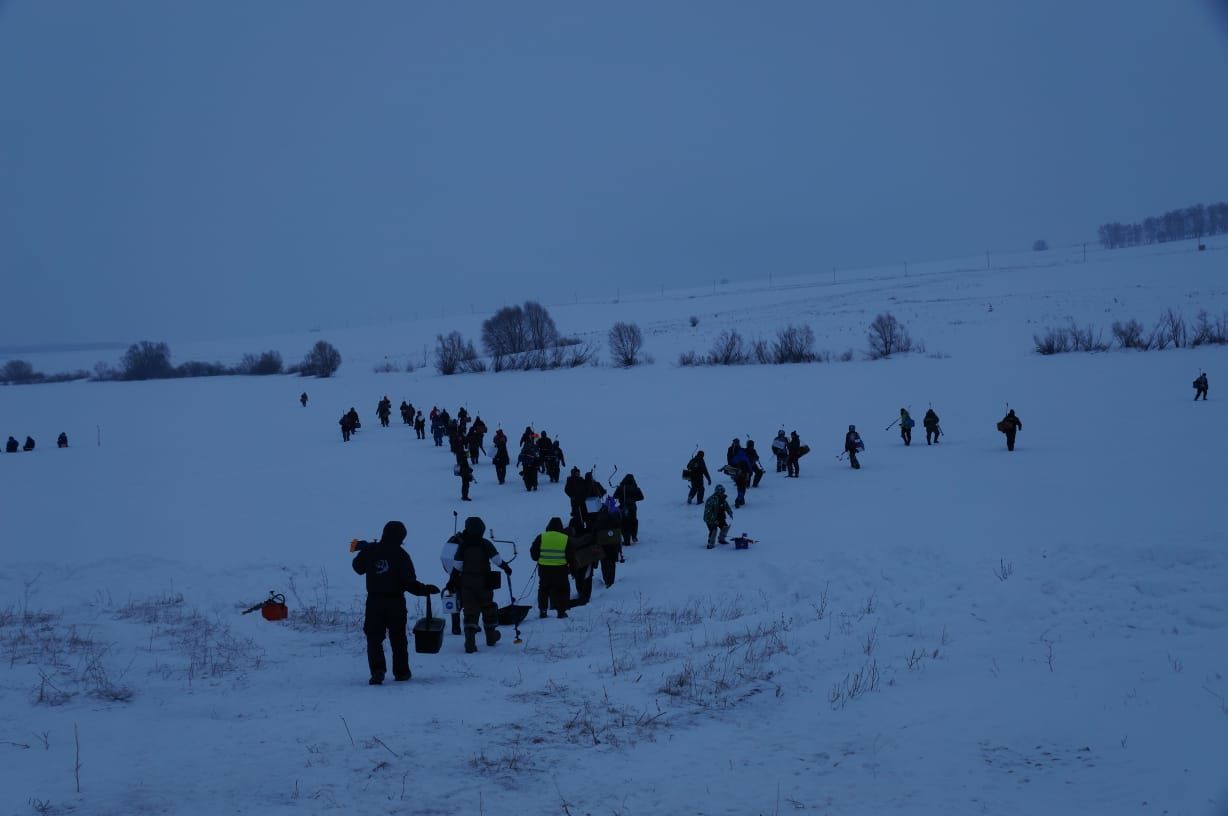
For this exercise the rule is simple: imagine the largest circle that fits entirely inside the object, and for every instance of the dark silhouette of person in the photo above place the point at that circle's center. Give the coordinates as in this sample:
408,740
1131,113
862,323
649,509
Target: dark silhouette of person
302,399
628,495
795,455
853,444
12,446
29,446
465,472
906,423
390,574
475,554
1010,425
697,473
1200,387
61,441
932,431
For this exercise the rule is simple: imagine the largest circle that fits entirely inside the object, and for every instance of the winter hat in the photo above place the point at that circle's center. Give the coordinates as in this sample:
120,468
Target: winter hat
852,427
475,526
394,533
555,525
718,489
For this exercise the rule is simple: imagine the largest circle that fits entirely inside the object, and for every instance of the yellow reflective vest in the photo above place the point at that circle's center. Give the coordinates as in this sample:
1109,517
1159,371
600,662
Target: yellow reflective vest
553,551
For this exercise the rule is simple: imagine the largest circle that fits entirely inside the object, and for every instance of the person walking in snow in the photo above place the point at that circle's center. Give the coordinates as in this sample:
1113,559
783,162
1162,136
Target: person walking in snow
1200,387
549,550
697,473
465,471
61,441
384,410
302,399
628,495
11,446
575,492
420,426
733,452
555,461
501,459
407,413
932,432
906,425
346,427
475,554
853,445
29,446
717,513
741,480
1010,425
527,462
780,447
389,574
757,470
795,456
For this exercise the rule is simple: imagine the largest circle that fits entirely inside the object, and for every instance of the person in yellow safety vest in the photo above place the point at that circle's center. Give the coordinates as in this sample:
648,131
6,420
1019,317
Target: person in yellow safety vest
549,550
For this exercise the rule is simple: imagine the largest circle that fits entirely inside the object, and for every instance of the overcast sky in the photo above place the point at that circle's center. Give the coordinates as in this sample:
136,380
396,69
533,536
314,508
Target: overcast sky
209,168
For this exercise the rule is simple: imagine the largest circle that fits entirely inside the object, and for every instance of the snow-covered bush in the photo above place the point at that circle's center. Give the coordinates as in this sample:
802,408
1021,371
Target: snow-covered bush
888,336
626,343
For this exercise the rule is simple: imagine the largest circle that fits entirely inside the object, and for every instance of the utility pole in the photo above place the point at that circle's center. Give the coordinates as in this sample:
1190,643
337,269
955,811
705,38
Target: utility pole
987,260
906,269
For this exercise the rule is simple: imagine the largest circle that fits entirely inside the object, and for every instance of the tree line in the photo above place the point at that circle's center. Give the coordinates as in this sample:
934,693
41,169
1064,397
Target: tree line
1174,225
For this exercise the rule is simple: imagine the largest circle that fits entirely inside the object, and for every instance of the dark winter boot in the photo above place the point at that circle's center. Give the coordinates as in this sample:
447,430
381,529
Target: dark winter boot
471,645
376,680
492,636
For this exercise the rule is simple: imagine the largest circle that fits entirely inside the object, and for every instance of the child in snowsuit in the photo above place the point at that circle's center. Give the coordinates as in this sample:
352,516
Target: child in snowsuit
716,515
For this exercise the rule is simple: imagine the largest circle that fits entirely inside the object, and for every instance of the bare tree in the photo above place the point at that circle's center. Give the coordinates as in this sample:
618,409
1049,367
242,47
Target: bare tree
504,332
539,326
728,349
453,353
626,343
794,344
322,361
888,336
147,361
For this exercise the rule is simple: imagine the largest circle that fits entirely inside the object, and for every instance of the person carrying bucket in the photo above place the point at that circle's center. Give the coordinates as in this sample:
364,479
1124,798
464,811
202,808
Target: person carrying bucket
390,574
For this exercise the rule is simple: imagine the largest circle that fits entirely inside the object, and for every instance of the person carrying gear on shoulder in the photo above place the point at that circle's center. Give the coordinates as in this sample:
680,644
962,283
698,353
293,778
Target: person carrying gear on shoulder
593,489
906,426
29,446
696,473
574,490
1010,425
302,399
932,431
549,550
384,410
852,446
780,447
390,574
345,427
717,513
11,446
475,554
605,529
473,441
61,441
1200,387
733,452
554,461
628,494
420,426
407,413
757,470
527,462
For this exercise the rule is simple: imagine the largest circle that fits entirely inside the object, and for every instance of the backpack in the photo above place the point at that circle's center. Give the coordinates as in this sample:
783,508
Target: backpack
1004,426
908,422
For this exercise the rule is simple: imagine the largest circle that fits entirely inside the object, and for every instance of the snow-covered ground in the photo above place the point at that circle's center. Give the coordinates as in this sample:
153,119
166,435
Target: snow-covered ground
1036,631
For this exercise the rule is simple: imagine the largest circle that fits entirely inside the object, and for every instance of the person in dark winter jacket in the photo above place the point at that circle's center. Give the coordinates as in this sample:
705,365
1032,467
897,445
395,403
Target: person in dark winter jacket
1010,425
420,426
697,474
11,446
628,495
757,470
474,555
465,472
795,455
733,452
390,574
716,515
384,410
605,528
346,428
302,399
906,423
582,575
593,489
741,481
407,413
29,446
549,550
1200,387
932,431
528,437
555,461
852,445
439,427
61,441
575,492
780,447
527,462
501,459
473,441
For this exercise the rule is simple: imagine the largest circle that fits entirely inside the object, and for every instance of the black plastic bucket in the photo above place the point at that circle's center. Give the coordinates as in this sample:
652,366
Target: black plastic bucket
428,632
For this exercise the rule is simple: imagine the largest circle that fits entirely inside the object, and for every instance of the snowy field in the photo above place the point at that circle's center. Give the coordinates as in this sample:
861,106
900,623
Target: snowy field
952,629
